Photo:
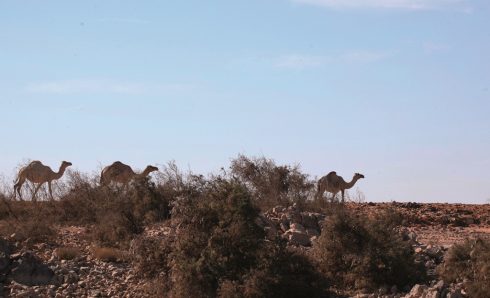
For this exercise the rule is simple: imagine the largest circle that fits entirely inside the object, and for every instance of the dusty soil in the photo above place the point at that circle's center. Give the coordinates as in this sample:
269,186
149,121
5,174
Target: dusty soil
438,224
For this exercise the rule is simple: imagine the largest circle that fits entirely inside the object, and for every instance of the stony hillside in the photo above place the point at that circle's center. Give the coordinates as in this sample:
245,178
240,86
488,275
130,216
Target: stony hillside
72,266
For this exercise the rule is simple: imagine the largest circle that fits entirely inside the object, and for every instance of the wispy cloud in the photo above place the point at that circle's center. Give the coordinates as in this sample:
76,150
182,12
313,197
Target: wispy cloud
296,61
104,86
301,61
123,20
434,47
364,56
389,4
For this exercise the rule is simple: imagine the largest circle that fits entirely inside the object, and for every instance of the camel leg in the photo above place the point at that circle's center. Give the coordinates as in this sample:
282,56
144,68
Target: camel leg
342,196
17,188
319,193
50,191
35,192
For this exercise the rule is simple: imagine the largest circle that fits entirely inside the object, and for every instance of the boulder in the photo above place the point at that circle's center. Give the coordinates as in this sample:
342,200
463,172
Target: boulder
270,232
284,227
5,261
454,294
29,270
296,238
309,220
312,232
278,209
417,291
298,228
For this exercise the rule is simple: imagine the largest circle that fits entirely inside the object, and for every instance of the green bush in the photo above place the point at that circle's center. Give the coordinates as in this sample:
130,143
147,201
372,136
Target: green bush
469,262
357,252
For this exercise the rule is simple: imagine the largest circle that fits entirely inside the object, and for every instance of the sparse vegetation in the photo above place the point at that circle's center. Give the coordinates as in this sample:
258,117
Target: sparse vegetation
270,184
357,252
109,254
218,244
221,251
469,263
67,252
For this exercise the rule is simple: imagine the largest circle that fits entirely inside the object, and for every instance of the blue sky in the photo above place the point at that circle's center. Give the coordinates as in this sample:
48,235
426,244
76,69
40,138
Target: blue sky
396,89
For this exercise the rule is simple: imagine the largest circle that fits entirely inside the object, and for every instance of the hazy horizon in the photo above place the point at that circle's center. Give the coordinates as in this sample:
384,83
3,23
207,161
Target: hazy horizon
397,90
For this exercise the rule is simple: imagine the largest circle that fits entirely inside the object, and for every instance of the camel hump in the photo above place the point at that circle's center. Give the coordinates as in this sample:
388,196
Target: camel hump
34,165
119,168
333,179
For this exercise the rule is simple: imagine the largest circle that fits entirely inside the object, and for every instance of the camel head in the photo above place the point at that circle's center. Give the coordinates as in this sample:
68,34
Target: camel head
358,176
66,164
150,169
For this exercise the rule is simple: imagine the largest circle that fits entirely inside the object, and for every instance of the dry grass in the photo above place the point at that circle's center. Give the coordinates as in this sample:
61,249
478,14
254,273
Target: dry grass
109,254
67,252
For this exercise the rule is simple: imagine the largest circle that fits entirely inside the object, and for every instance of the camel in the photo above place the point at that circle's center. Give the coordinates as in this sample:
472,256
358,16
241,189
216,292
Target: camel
36,172
334,183
121,173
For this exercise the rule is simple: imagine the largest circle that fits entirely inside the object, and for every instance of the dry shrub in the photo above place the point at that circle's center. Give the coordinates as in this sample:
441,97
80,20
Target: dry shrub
82,199
279,273
41,230
220,250
67,252
115,213
151,256
172,183
4,207
270,184
469,262
358,252
122,215
109,254
29,220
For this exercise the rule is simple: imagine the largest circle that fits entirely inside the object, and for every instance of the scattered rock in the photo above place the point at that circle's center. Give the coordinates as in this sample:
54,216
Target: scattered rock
29,270
296,238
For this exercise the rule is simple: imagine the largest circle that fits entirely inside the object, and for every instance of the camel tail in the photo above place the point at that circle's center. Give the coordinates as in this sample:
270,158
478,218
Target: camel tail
319,187
17,179
319,184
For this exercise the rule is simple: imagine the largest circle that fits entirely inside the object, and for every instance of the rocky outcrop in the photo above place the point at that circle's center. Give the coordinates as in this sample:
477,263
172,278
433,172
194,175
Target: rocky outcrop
298,228
5,261
28,270
437,290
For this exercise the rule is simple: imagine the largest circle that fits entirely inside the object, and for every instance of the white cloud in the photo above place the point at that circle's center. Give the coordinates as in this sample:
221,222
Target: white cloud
103,86
302,61
296,61
388,4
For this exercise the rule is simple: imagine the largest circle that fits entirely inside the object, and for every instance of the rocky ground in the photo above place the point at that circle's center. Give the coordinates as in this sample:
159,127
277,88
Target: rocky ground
72,267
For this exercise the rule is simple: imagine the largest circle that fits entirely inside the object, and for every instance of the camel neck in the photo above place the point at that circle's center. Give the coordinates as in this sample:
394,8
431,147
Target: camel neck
60,173
144,173
352,182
